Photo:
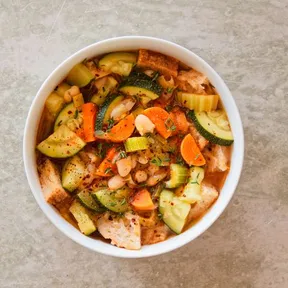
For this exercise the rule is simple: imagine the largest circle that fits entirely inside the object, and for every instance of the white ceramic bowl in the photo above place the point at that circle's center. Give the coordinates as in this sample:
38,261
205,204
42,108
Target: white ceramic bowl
131,43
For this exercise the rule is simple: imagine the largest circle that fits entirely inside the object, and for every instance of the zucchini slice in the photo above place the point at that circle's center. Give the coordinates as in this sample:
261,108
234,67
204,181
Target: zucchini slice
192,191
54,104
104,85
86,199
214,126
79,75
197,102
178,176
81,215
72,173
65,114
62,88
119,62
105,111
63,143
116,201
174,211
136,143
142,86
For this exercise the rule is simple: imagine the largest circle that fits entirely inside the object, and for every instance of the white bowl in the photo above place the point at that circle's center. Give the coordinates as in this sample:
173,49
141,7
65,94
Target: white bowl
131,43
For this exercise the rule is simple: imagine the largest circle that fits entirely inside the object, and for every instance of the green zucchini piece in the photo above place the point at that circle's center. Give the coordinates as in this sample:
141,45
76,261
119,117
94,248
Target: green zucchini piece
178,176
213,126
79,75
116,201
119,62
73,172
104,85
86,225
67,113
197,102
86,199
62,88
174,211
54,104
105,111
63,143
141,86
136,143
192,191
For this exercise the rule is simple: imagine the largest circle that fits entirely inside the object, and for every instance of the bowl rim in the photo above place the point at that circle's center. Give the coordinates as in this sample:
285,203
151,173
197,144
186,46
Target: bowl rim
231,181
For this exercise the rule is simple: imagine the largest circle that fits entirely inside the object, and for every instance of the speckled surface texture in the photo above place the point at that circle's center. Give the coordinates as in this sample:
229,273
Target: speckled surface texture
246,42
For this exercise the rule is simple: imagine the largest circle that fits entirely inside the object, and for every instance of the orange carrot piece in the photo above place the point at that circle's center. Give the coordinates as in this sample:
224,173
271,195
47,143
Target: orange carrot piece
107,166
162,121
142,201
180,121
89,116
191,152
121,131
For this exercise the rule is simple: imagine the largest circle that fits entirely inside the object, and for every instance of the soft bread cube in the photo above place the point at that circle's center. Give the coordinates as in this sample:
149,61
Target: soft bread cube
159,62
50,181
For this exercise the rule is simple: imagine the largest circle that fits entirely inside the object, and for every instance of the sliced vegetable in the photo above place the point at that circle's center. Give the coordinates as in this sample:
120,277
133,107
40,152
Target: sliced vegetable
81,215
105,111
136,143
86,199
214,126
62,88
107,166
72,173
119,62
89,115
178,176
192,191
162,121
142,201
54,103
116,201
174,211
121,131
67,113
79,75
105,86
180,121
140,85
191,152
197,102
63,143
78,101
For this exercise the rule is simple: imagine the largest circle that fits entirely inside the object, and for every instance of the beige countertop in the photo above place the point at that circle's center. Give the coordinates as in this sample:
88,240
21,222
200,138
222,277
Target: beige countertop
246,42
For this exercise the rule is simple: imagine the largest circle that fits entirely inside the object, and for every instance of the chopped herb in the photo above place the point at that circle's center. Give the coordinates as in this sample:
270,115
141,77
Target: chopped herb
170,89
196,181
168,108
122,154
196,157
180,160
103,89
123,202
169,124
172,149
76,114
121,214
113,204
155,76
160,216
108,170
148,134
110,124
166,159
142,184
60,122
101,152
157,161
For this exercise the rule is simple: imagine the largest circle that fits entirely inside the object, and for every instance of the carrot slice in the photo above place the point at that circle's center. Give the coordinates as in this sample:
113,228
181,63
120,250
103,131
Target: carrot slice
89,116
162,121
107,166
121,131
142,201
191,152
180,121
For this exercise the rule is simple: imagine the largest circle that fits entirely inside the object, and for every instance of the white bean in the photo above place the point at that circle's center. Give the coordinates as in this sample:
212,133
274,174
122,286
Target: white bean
154,179
141,176
144,124
124,166
116,182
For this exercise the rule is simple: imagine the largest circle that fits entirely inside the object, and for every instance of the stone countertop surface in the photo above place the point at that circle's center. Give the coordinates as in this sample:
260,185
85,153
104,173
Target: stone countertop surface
246,42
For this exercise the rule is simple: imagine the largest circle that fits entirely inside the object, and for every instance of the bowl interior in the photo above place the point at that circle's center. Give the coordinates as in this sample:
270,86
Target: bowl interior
121,44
